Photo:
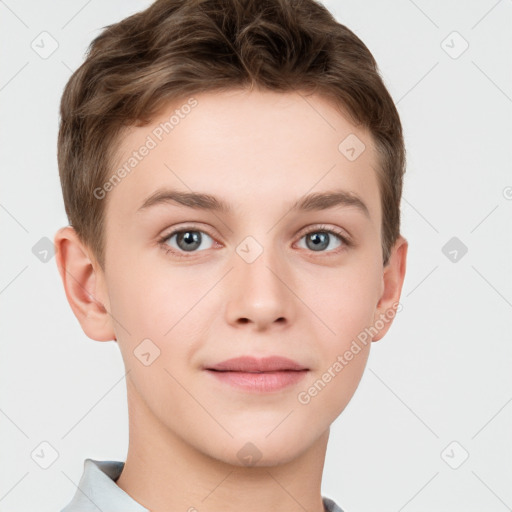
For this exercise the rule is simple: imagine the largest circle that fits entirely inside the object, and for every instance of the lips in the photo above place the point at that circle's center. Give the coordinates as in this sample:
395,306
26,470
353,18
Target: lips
249,364
253,375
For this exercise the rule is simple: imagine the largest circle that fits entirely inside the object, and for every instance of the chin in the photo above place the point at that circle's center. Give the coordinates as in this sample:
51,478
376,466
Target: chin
260,451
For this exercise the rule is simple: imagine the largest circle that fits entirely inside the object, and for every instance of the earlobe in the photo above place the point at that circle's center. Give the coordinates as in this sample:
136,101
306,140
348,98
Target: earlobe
81,279
393,279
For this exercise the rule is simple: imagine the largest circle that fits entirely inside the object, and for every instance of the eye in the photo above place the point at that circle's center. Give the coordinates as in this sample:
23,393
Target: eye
185,240
321,238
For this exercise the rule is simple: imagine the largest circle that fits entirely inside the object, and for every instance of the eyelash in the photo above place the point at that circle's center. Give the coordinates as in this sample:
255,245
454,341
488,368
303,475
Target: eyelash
317,229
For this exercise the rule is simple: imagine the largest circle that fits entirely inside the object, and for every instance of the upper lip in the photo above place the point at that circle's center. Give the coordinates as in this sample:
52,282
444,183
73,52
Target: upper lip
254,364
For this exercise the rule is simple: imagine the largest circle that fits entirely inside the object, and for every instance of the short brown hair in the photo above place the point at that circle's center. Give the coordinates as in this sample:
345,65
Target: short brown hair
176,48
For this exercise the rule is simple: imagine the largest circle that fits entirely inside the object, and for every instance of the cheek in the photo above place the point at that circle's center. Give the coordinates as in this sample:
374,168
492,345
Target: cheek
347,308
347,301
152,303
348,312
148,298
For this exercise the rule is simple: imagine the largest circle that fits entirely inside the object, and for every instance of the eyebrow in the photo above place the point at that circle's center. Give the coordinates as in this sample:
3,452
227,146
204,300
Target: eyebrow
201,201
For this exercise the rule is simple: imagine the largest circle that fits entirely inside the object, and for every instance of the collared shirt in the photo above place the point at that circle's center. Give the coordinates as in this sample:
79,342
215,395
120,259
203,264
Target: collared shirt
97,490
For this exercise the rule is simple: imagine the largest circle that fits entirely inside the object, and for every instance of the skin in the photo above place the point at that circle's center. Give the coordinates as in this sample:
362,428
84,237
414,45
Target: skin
259,151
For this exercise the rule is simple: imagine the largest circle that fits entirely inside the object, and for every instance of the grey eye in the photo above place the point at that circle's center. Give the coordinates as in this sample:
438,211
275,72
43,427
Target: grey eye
320,240
188,240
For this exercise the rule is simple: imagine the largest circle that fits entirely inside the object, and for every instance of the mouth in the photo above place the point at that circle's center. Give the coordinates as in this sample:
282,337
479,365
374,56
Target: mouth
251,374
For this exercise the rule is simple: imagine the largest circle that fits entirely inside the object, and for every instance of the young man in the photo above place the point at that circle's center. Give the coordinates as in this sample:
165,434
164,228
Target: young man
232,173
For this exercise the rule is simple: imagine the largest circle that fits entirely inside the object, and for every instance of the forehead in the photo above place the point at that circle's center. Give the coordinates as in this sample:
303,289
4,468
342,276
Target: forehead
251,148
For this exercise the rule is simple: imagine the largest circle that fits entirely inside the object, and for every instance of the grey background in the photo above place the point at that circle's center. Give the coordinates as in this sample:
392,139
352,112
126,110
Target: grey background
437,388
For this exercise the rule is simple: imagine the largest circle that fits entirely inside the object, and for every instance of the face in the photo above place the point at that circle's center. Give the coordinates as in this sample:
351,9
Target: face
249,267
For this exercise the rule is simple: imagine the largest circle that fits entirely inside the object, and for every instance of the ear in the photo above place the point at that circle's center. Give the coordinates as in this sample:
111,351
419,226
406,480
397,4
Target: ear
84,284
392,281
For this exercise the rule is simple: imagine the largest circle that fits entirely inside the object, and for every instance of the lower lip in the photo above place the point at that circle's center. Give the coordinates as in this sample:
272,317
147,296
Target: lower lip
260,382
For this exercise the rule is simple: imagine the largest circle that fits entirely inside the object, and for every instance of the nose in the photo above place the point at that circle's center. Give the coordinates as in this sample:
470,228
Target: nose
259,293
